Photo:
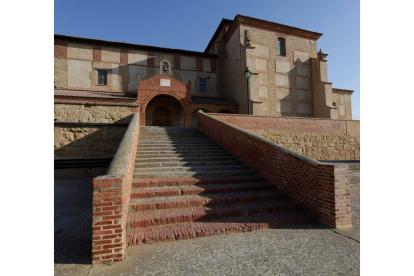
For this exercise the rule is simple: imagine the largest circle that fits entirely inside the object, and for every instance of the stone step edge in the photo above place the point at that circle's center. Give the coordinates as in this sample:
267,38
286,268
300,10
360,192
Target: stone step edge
187,201
164,191
191,230
190,180
196,168
205,213
193,173
173,164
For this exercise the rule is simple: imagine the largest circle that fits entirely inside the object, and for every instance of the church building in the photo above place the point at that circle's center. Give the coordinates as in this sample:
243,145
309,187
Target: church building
99,81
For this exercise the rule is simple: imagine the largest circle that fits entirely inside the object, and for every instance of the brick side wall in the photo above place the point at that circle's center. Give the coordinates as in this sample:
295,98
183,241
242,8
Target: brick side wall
110,207
320,139
319,146
285,124
323,189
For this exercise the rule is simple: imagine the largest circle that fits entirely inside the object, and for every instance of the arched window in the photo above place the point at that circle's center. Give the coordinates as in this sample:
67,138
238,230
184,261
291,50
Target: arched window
281,46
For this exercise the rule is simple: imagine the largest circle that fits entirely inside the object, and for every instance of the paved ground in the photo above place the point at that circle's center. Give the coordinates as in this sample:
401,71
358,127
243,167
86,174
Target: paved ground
304,250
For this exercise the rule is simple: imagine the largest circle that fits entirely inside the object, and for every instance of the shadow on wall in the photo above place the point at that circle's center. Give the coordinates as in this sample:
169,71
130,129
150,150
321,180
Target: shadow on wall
88,141
286,95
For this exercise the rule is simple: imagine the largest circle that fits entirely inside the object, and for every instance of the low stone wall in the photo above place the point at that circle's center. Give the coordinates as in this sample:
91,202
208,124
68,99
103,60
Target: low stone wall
320,139
92,113
111,194
319,146
321,188
82,141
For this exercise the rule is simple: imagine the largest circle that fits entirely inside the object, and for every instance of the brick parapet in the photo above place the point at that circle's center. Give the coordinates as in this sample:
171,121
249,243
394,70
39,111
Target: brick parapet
322,189
111,195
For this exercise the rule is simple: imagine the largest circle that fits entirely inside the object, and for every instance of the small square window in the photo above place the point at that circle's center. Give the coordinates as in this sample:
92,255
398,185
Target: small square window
202,85
102,75
281,46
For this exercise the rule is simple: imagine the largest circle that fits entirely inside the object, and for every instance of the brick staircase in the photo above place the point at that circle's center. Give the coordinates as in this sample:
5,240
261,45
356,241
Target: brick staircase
186,186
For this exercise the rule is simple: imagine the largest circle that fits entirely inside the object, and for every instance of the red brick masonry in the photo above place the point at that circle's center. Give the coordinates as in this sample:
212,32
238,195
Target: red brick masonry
321,188
111,195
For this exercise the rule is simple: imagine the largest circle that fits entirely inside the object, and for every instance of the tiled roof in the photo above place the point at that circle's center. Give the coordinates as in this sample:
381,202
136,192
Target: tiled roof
216,33
94,94
282,25
343,90
219,101
131,45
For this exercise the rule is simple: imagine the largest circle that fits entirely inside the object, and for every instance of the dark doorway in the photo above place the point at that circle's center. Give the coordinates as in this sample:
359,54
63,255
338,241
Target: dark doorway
162,117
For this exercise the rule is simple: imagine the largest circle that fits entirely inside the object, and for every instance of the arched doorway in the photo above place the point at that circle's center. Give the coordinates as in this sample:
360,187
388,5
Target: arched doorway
194,116
165,111
162,117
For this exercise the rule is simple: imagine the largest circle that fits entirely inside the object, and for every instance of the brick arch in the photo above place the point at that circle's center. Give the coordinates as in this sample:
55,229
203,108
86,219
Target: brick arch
150,97
177,89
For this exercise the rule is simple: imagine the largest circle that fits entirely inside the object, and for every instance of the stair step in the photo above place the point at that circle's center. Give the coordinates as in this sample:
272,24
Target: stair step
184,201
188,156
191,168
191,230
194,173
167,216
187,181
168,143
151,192
183,151
187,164
179,148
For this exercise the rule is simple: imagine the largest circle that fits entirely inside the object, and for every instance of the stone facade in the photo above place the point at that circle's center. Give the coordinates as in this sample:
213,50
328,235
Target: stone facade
293,83
77,64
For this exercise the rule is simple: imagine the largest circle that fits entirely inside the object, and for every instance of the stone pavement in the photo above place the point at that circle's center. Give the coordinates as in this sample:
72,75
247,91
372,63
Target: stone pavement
311,249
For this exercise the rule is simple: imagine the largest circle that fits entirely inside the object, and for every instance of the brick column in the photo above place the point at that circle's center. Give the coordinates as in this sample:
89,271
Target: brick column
107,231
334,196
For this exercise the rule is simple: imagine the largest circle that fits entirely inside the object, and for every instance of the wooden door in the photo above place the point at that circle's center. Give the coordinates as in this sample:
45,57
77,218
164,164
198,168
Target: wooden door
162,117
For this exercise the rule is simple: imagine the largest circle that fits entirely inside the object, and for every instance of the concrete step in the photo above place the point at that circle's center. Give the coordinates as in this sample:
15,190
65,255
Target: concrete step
183,151
232,162
190,181
223,173
180,215
191,168
151,192
173,144
141,155
173,134
229,225
185,201
178,147
219,158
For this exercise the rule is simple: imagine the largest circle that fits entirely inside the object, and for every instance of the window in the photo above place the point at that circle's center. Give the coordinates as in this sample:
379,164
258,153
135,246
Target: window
202,85
281,46
102,74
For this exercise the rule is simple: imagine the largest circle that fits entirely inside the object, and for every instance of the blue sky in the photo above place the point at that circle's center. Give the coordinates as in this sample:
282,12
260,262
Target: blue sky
190,24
